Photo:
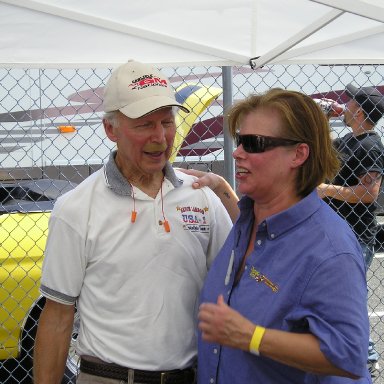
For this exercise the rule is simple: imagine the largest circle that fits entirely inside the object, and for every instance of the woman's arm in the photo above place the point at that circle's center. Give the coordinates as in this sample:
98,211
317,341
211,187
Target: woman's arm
218,185
221,324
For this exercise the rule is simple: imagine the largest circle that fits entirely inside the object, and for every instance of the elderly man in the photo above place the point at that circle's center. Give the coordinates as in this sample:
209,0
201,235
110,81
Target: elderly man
130,246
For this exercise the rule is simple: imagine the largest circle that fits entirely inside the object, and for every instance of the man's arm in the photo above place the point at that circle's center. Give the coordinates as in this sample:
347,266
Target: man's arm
366,191
52,342
218,185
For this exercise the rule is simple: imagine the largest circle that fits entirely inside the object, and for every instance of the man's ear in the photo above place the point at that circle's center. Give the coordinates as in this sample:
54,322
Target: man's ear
301,155
361,114
109,130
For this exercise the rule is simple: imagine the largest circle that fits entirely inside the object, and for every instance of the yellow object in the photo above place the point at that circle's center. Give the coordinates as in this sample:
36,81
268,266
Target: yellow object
66,128
23,238
196,98
256,340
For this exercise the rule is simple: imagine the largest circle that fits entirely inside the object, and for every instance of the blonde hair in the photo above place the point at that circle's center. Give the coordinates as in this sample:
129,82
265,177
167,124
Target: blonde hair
303,121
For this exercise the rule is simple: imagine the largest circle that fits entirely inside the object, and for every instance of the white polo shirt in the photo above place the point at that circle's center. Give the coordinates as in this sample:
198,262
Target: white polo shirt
136,285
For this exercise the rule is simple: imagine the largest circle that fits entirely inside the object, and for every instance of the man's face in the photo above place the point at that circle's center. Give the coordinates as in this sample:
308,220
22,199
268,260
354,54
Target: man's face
351,112
144,144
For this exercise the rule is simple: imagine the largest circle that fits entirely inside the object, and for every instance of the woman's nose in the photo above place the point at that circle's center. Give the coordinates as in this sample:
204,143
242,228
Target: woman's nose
238,152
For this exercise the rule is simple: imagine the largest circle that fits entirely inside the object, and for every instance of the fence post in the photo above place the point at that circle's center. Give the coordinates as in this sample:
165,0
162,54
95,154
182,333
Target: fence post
229,164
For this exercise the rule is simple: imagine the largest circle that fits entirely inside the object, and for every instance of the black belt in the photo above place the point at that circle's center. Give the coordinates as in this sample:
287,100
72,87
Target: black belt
113,371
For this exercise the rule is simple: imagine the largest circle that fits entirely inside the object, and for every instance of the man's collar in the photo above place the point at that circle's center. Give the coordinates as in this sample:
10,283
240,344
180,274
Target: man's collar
120,185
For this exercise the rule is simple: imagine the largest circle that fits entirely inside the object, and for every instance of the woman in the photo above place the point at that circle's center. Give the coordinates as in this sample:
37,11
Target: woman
285,299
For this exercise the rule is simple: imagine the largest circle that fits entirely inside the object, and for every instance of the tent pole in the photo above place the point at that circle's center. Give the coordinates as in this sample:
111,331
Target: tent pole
229,164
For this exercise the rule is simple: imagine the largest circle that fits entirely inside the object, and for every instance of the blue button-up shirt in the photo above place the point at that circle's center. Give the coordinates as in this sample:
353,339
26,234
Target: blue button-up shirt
306,274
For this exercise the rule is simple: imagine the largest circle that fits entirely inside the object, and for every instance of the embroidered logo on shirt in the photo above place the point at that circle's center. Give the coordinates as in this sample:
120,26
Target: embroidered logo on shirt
260,278
194,219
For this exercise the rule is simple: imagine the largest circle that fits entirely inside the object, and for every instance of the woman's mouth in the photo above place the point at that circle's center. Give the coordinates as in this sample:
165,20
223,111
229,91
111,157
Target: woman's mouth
241,171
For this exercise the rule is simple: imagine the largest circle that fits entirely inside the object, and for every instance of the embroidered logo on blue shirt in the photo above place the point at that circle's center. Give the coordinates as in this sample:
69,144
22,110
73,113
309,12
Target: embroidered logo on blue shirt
260,278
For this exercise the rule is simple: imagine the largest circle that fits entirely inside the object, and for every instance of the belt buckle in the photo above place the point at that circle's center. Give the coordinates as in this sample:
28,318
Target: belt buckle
163,377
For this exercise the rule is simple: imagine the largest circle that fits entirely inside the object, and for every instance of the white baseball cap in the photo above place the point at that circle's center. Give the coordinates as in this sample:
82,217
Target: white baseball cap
136,89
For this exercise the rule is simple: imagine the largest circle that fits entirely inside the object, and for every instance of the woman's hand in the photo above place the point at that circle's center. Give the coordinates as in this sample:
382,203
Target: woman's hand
218,185
221,324
205,179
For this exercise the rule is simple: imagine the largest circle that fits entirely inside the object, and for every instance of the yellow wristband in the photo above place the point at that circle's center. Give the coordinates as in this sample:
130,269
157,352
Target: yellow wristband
256,340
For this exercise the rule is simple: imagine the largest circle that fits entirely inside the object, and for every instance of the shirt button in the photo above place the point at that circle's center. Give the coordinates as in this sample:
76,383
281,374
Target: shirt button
160,222
215,351
212,380
258,242
272,235
246,267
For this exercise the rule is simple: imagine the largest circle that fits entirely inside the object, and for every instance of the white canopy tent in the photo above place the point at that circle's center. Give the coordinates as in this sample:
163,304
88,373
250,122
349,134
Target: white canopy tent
174,33
91,33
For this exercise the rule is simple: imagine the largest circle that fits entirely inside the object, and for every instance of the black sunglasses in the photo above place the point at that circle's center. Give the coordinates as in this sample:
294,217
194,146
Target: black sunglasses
258,144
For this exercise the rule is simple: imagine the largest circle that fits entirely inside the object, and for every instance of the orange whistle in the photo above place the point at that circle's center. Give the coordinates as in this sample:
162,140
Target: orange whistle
166,226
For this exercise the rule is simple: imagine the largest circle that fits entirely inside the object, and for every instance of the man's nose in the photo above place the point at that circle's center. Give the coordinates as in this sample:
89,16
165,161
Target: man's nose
158,133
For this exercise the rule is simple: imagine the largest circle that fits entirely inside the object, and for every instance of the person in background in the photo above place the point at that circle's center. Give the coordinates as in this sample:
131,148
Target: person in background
285,299
130,247
354,191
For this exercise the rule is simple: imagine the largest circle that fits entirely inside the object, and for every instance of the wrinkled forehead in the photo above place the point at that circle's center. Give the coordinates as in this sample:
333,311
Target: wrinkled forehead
161,112
156,115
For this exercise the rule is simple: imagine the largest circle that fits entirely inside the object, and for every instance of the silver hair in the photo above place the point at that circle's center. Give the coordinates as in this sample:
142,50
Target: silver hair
113,118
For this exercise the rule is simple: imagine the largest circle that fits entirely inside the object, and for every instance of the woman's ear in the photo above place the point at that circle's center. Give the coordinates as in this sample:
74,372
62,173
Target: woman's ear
109,130
301,155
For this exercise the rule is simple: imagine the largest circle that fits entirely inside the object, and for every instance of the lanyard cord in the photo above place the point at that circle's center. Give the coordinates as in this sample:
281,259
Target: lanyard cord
165,222
134,213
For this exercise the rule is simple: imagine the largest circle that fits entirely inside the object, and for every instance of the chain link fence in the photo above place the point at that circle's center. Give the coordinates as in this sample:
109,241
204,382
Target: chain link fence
52,138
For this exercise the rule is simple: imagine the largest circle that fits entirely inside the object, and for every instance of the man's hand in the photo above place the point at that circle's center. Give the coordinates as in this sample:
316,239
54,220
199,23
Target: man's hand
335,109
